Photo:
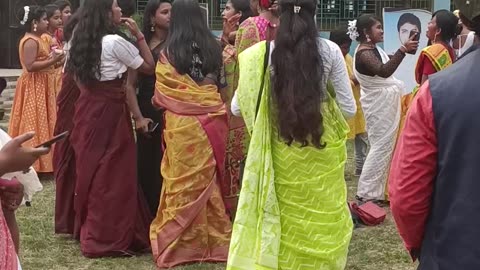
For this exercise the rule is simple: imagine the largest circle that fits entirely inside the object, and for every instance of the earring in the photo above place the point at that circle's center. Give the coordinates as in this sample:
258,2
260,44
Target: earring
368,38
35,28
152,29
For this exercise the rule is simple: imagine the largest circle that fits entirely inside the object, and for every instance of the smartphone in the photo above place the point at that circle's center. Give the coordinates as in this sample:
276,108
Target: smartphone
152,127
416,37
53,140
416,34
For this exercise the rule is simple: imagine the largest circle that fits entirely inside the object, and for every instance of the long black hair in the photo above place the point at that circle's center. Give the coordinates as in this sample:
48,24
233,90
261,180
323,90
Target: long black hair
298,89
35,13
188,26
94,22
364,24
244,7
150,11
448,23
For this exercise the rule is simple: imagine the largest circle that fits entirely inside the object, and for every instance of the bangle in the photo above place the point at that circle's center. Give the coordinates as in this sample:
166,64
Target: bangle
140,39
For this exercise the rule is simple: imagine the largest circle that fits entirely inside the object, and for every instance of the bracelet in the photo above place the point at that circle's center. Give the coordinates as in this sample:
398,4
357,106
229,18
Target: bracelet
140,39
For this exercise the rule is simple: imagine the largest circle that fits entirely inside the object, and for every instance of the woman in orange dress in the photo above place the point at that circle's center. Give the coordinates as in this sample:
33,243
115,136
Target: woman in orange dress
34,103
191,223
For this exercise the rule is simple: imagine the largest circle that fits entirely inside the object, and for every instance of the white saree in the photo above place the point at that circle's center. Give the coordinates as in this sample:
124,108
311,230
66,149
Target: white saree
380,99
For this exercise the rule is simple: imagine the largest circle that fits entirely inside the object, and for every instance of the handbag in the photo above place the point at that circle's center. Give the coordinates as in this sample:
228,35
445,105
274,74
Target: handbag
369,213
260,92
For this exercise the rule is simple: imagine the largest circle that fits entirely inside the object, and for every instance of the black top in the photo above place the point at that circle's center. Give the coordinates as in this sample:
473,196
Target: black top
369,62
146,83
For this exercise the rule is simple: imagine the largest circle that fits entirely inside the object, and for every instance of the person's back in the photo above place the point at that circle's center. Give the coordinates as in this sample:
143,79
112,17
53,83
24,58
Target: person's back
434,172
453,223
293,199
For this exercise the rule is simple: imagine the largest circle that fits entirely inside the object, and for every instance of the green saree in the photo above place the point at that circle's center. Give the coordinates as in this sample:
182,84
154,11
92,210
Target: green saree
292,211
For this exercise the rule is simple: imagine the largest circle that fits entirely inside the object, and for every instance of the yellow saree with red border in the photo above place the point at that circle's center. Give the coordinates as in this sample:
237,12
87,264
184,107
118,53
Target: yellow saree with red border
191,223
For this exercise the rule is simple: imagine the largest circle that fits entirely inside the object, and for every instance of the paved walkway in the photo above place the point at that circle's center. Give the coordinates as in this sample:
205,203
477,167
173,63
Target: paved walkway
10,72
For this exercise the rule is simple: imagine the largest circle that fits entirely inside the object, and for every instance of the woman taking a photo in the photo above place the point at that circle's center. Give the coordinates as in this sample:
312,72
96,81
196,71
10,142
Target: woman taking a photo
106,176
189,80
380,99
292,210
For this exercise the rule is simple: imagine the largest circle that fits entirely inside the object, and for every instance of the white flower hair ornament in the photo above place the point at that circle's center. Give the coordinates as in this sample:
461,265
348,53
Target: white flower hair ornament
352,30
25,17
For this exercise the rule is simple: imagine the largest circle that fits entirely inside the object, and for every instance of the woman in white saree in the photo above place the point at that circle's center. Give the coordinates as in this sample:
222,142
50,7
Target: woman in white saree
380,98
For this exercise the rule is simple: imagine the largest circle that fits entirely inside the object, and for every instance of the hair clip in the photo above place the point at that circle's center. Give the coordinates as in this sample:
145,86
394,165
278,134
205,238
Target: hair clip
25,16
296,9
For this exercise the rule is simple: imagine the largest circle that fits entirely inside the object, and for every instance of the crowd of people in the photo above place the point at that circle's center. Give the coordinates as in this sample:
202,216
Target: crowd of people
240,145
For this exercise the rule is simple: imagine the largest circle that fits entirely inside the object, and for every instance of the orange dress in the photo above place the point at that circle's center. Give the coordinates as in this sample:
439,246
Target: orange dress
34,105
55,73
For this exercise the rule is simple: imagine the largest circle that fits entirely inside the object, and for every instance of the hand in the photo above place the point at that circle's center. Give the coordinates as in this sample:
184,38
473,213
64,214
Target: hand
56,58
231,24
14,157
411,45
132,26
11,194
141,124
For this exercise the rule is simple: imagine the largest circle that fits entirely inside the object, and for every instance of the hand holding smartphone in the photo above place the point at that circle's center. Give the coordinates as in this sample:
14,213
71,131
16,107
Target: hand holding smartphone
52,141
414,36
152,127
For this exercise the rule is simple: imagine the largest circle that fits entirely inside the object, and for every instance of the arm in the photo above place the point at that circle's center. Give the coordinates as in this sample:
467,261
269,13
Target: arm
412,172
234,107
341,84
141,123
148,65
30,62
375,65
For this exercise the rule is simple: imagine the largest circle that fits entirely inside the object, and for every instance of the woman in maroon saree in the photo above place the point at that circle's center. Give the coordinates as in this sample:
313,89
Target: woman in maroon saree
111,216
63,154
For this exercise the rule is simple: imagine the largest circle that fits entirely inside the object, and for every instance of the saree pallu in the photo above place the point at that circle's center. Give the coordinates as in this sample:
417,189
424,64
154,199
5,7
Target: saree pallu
292,211
439,57
64,157
111,217
238,138
8,255
191,223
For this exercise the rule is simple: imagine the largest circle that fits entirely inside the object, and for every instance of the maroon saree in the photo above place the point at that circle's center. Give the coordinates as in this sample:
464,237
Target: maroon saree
110,212
64,157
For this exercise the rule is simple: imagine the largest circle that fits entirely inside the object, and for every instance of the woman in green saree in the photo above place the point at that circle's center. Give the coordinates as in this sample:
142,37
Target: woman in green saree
292,211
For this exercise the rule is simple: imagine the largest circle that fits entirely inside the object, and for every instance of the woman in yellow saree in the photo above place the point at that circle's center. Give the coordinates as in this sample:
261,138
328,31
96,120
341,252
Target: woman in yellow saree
191,223
292,211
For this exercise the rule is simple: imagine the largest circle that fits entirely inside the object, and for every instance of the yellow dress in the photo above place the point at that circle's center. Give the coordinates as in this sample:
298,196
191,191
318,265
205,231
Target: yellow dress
357,123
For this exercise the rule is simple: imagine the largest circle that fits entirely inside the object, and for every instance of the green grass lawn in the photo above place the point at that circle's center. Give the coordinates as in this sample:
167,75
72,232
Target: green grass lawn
375,248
